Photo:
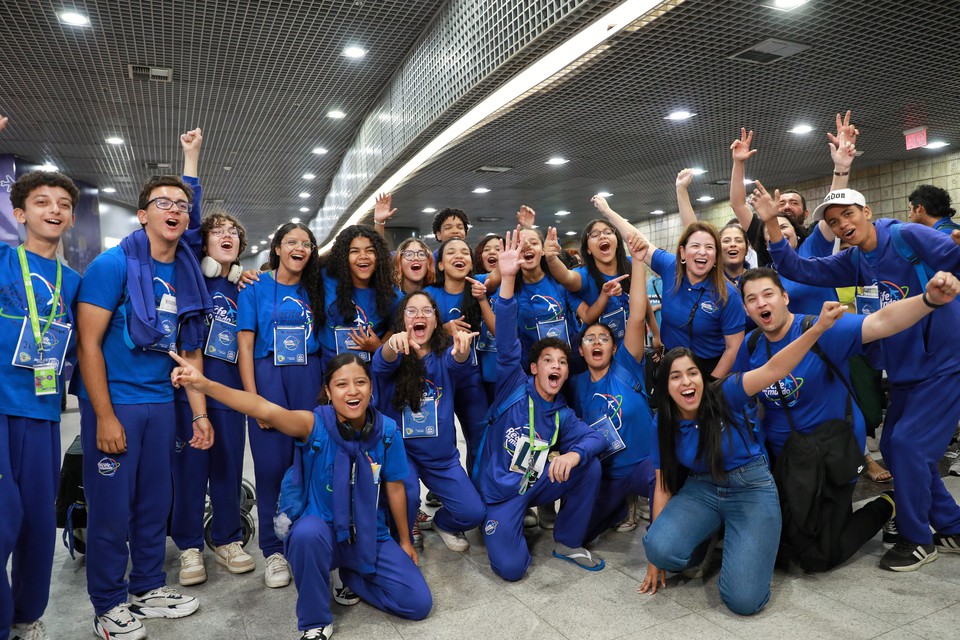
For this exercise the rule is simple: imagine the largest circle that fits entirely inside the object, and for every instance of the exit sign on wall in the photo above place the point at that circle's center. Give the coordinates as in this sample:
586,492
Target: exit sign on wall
916,138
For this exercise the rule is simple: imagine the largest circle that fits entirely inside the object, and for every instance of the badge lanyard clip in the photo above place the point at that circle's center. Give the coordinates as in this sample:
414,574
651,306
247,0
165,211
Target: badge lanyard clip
530,475
32,302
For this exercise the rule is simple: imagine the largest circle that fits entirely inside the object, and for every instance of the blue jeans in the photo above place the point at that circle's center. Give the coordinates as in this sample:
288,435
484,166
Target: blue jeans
747,506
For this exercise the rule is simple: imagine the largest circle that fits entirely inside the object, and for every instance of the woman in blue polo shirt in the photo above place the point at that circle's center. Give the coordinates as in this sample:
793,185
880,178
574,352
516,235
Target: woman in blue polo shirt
711,473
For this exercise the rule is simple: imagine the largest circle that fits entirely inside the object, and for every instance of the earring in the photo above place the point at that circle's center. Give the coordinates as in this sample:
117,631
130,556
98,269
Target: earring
683,261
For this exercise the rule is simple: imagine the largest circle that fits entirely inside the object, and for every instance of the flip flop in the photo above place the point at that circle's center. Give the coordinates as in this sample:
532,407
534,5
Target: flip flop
575,557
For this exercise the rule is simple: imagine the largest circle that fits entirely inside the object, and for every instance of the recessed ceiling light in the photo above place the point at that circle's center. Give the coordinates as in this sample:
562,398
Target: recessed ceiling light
788,5
354,52
430,235
114,140
697,171
227,167
304,194
429,210
704,198
657,212
534,226
263,242
270,236
481,190
49,167
319,151
74,19
937,144
108,190
557,160
304,209
604,194
254,249
680,115
563,213
747,181
295,220
308,176
336,114
801,129
570,233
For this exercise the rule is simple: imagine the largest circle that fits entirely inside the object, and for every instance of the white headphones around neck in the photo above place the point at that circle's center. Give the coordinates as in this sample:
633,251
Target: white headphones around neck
211,269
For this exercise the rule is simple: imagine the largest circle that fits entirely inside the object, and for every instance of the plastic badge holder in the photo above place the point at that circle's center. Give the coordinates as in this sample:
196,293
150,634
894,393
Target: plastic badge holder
289,346
222,341
422,423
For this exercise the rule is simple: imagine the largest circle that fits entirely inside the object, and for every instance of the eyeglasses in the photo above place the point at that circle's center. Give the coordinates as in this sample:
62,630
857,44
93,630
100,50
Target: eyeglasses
219,232
413,312
165,204
410,254
602,338
607,232
293,244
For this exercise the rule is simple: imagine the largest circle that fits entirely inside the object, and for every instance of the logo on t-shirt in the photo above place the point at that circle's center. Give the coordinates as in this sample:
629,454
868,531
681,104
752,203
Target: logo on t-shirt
292,312
107,467
890,292
789,387
708,307
611,407
224,309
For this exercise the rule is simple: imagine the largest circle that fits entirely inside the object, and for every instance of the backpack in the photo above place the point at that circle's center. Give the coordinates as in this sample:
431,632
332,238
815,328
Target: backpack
71,502
924,271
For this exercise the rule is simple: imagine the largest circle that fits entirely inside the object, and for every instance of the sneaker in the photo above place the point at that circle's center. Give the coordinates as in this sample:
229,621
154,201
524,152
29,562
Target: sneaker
29,631
416,536
630,522
192,570
454,541
433,500
320,633
163,603
908,556
277,572
947,543
424,519
890,534
643,508
342,594
547,515
118,624
954,469
530,519
234,558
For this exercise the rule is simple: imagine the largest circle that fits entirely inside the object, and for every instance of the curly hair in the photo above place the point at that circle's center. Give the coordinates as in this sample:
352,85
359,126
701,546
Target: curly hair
479,266
470,308
934,199
412,372
430,274
310,277
26,183
620,256
338,267
442,216
217,219
543,344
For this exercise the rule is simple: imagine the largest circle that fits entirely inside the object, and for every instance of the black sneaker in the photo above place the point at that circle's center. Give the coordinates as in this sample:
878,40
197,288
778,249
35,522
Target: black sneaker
343,595
908,556
890,534
319,633
432,500
947,543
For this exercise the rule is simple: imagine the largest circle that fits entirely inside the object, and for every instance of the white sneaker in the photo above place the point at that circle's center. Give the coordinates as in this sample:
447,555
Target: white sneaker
342,594
192,570
119,624
320,633
29,631
234,558
164,602
277,572
454,541
954,469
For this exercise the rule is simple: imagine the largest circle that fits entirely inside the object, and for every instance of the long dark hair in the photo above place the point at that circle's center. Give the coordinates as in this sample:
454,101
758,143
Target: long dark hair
470,308
518,279
335,364
712,416
591,263
412,372
338,266
479,266
310,276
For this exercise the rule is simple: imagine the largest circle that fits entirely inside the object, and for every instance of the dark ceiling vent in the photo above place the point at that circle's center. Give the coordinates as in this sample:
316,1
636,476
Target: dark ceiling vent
489,168
770,50
159,168
488,219
154,74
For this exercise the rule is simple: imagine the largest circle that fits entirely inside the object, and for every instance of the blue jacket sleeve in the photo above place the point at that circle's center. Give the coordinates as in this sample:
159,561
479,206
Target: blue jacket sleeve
510,373
577,436
192,235
831,271
379,366
937,250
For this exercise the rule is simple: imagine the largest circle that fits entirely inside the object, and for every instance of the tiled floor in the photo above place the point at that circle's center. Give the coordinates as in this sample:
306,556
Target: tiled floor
558,600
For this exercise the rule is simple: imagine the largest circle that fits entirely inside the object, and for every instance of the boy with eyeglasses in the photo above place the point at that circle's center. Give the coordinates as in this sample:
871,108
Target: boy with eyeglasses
138,301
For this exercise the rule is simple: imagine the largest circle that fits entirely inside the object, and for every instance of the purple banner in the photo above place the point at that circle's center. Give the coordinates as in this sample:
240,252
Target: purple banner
9,232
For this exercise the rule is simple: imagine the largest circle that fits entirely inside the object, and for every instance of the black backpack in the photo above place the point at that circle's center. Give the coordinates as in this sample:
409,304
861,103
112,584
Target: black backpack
71,503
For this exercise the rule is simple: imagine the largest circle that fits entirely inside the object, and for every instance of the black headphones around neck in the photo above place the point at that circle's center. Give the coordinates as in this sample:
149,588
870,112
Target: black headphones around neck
347,432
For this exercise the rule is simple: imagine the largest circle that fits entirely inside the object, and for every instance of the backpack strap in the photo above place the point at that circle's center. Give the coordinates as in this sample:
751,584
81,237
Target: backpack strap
832,370
907,253
752,340
517,394
946,225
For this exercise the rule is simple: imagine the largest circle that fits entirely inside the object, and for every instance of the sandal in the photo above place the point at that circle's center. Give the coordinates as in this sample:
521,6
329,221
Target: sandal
877,473
580,557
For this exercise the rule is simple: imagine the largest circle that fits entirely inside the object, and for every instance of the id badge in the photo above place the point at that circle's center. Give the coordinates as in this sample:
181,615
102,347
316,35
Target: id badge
617,321
553,329
222,341
526,458
346,344
289,346
615,443
167,320
486,340
54,341
423,423
868,300
46,380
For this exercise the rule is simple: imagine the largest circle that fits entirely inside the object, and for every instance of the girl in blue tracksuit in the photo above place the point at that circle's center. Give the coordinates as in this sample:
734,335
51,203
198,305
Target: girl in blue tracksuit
516,469
919,361
462,303
359,291
279,359
223,240
417,375
351,455
610,396
705,435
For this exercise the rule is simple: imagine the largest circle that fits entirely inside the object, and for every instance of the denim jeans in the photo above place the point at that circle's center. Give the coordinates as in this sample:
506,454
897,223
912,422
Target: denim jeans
746,505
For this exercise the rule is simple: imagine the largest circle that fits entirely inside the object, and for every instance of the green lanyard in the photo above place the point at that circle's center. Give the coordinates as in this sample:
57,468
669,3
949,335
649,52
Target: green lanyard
32,302
528,476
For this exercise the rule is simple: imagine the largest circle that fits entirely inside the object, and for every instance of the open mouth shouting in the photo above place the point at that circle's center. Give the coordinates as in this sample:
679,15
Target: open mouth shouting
766,317
492,262
554,382
364,267
459,264
419,332
172,222
416,267
353,403
528,258
605,246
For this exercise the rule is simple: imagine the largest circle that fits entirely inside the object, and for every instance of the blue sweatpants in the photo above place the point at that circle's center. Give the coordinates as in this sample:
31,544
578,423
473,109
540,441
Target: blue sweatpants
611,505
916,434
221,466
29,474
503,528
470,407
128,500
292,387
462,508
396,586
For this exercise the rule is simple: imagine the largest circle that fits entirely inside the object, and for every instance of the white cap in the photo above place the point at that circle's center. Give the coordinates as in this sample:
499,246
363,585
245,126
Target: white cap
840,196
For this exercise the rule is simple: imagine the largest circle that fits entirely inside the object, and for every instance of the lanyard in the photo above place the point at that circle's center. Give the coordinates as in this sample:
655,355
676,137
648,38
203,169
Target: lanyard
693,312
529,476
32,302
273,312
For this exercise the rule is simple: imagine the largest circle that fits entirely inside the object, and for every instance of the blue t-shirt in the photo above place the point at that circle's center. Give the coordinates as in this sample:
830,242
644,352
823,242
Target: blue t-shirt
392,458
17,396
693,315
812,394
267,304
134,375
804,298
444,374
619,395
543,301
366,315
589,292
740,445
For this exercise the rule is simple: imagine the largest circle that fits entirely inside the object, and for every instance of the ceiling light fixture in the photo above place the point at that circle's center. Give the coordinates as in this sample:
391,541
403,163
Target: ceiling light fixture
108,190
704,198
657,212
354,52
697,171
481,190
937,144
319,151
304,209
747,181
562,213
308,176
336,114
429,210
801,129
74,19
557,160
680,115
263,242
788,5
295,220
604,194
49,167
114,140
304,194
570,233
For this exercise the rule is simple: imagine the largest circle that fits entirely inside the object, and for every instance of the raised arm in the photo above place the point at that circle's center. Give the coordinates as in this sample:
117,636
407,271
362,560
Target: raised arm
191,141
621,225
897,316
842,151
633,338
382,212
687,215
741,152
570,280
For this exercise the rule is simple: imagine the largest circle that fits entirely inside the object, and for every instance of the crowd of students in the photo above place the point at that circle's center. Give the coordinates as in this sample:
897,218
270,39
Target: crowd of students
348,372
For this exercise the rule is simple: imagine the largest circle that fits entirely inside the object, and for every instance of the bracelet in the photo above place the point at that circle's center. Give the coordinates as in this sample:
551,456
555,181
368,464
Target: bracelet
841,173
199,417
927,302
382,223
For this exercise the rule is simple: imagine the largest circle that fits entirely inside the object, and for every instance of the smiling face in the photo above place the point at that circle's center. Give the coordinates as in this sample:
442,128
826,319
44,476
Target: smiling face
47,213
791,206
292,252
413,262
597,347
456,261
491,254
602,243
786,230
165,226
550,371
363,260
733,249
766,304
700,253
349,392
221,244
685,387
531,249
420,319
452,227
849,222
